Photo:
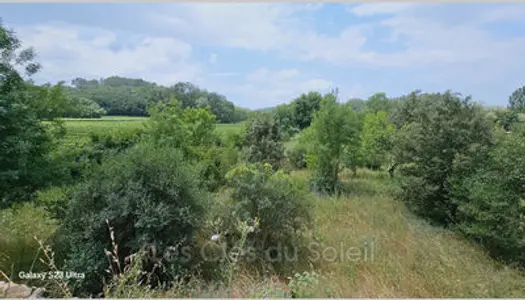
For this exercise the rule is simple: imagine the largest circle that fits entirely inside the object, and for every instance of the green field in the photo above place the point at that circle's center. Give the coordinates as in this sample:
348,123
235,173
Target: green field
78,130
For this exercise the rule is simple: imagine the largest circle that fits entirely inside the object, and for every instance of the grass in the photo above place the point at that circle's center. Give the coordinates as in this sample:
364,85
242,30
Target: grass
78,130
393,254
409,259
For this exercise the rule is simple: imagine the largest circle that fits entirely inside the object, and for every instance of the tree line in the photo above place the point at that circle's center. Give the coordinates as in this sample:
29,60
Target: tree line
131,97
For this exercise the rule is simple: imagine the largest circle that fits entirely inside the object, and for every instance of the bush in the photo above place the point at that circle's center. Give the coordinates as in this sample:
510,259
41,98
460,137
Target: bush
297,155
490,201
262,141
149,195
280,203
70,161
213,165
55,201
19,251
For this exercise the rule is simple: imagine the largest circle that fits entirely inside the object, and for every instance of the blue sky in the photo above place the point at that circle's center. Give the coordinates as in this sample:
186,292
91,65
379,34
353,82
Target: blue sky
264,54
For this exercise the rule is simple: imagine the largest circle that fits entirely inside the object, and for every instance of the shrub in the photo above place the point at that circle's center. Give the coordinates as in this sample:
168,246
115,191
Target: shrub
55,201
262,141
297,155
19,251
149,195
278,203
73,160
192,130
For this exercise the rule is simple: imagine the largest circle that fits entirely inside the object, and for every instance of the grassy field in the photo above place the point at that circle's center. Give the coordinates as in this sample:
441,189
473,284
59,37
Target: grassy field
78,130
404,256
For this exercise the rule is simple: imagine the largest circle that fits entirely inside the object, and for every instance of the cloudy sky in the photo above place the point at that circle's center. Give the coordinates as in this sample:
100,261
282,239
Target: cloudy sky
260,55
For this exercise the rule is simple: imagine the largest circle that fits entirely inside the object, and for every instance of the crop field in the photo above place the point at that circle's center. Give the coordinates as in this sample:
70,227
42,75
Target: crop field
78,130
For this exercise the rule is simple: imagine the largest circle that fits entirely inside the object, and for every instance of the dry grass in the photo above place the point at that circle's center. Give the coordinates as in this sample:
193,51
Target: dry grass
410,258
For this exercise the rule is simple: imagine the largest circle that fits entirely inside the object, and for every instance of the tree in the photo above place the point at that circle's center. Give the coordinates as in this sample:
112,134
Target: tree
442,127
356,104
378,102
304,108
490,199
84,108
127,96
24,140
517,100
285,115
377,137
334,128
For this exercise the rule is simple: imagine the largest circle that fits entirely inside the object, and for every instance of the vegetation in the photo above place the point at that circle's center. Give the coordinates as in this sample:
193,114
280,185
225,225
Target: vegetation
333,128
132,97
147,193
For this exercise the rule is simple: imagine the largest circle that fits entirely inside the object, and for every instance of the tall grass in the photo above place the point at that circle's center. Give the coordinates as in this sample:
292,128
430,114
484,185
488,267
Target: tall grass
19,250
409,258
392,254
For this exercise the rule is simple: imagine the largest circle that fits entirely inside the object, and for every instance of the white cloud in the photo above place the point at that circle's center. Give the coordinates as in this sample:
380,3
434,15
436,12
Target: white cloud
278,27
265,87
65,55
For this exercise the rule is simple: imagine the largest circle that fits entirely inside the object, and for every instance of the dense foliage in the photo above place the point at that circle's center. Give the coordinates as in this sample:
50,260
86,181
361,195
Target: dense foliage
439,129
149,196
132,97
490,200
279,203
333,128
24,140
262,140
298,115
517,100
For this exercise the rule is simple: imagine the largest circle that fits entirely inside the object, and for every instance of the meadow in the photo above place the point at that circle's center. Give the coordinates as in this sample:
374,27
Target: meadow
78,130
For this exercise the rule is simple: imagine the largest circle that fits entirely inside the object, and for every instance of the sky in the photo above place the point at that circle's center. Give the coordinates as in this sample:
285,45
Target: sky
264,54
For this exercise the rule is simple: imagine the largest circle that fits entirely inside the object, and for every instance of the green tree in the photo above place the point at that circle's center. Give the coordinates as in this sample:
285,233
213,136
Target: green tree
285,115
517,100
304,108
490,199
442,127
24,140
334,128
377,134
83,108
356,104
378,102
